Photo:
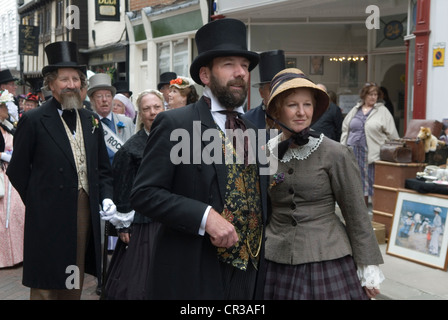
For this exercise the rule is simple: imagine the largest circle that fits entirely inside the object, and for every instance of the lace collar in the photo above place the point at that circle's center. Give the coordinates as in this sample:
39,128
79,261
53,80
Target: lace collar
299,153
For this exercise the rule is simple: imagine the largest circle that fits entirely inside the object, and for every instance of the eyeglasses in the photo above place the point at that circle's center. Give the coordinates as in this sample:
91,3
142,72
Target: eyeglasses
102,96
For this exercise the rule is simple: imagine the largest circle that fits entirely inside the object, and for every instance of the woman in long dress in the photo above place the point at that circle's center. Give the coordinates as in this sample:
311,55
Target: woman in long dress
12,209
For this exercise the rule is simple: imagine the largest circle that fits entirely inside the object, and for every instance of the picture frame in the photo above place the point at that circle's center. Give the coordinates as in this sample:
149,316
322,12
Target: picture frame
316,65
418,231
348,75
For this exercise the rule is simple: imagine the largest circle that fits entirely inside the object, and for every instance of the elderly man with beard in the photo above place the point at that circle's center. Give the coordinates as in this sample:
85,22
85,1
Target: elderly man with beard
61,170
212,215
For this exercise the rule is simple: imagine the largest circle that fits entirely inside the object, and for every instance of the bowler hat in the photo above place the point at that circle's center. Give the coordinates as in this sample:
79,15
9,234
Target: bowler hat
6,76
271,62
100,81
62,54
122,87
221,38
165,78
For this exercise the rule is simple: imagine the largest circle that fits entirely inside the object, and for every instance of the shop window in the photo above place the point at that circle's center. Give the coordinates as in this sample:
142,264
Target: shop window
392,31
139,32
180,23
174,56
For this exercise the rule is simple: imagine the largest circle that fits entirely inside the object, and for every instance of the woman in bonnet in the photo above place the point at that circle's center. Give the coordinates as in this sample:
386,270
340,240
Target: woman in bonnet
310,252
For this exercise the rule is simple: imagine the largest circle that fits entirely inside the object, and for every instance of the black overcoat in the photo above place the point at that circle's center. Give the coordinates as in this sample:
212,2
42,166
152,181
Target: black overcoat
43,171
184,264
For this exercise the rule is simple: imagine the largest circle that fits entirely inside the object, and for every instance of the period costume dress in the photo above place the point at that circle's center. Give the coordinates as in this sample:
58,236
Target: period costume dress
127,277
12,212
306,242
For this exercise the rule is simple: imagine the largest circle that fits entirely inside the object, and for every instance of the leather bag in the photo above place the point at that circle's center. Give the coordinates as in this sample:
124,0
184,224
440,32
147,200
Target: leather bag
396,151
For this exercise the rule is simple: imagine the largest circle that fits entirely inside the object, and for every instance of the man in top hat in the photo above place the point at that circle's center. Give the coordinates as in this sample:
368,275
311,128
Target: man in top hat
164,85
205,247
8,82
271,62
62,172
123,88
119,128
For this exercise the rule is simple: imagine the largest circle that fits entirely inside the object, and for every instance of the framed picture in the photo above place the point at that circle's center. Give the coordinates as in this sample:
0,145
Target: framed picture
317,65
418,229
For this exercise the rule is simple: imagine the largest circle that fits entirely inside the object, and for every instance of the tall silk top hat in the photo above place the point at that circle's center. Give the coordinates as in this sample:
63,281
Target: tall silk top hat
165,78
292,78
220,38
271,62
100,81
6,76
62,54
122,87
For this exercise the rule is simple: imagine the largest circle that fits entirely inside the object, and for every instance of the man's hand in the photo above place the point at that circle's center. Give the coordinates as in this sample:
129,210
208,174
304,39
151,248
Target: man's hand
222,232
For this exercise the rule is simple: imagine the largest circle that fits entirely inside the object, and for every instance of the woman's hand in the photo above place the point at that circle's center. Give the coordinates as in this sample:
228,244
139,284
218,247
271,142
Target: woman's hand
371,293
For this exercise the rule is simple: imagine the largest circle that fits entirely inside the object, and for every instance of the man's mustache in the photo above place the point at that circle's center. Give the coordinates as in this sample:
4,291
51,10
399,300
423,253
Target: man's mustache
70,90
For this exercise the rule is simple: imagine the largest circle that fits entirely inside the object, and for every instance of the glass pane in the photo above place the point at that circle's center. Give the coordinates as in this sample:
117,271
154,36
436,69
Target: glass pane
180,59
163,52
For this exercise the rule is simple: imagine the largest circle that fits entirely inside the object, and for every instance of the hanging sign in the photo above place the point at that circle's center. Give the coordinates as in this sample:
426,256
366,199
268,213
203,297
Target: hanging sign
28,40
107,10
438,55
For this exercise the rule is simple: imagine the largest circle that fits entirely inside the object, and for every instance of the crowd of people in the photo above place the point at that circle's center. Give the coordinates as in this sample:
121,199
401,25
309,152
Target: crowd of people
88,176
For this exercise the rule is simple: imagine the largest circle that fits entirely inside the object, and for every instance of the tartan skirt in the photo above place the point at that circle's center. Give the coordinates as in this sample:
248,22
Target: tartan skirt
326,280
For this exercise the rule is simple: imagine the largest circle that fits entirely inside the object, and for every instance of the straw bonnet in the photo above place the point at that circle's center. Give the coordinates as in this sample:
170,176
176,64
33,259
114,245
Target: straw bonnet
100,81
221,38
437,209
181,82
292,78
271,62
62,54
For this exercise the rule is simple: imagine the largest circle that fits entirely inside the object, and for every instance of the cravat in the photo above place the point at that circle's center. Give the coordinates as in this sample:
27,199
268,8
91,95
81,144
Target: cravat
233,122
69,117
108,123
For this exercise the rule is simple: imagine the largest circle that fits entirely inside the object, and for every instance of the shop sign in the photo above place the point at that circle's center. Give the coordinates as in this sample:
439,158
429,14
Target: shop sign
28,40
107,10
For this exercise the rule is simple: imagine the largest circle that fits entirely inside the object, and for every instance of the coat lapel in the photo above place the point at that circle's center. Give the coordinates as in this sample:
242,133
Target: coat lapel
207,122
52,122
87,131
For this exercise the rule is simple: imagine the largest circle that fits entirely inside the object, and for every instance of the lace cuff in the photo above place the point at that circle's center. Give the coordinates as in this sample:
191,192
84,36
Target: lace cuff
370,276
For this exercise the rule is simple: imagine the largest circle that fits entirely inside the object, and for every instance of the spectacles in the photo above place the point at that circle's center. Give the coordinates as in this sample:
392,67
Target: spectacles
102,96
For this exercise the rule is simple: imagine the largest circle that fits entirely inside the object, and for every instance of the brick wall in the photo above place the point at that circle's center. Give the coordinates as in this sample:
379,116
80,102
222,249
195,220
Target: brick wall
139,4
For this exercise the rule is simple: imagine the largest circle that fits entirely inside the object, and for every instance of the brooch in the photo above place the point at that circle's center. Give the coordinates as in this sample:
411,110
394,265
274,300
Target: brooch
277,179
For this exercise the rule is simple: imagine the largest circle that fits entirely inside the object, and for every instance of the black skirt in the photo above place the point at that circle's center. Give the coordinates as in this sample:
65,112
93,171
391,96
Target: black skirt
127,275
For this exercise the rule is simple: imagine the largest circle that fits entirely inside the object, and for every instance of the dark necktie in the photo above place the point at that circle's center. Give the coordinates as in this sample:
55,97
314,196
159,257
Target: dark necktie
233,122
69,117
108,123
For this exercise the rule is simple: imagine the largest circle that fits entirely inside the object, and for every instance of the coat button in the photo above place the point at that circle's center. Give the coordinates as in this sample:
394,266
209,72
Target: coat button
291,171
293,206
293,222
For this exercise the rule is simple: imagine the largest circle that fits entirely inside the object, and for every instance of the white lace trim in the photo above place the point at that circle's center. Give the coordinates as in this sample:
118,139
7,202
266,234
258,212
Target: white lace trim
299,153
370,276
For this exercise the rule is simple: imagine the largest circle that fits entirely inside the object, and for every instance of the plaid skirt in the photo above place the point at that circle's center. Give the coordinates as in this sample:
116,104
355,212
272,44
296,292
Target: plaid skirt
367,170
326,280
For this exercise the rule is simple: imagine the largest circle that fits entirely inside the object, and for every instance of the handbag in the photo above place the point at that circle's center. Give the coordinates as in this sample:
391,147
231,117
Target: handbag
396,151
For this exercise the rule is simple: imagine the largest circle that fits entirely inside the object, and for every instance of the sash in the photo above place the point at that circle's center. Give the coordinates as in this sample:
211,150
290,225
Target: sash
112,141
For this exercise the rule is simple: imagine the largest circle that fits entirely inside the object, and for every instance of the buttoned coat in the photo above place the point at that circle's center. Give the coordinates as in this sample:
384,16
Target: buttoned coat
184,264
43,171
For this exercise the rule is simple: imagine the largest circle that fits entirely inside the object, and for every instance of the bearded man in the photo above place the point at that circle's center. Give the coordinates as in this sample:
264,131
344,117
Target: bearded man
62,172
210,241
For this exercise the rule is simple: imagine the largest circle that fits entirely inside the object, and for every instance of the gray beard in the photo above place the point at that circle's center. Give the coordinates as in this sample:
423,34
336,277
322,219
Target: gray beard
71,102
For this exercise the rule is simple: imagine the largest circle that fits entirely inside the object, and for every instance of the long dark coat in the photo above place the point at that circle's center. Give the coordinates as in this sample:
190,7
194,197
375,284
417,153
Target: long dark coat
184,265
43,171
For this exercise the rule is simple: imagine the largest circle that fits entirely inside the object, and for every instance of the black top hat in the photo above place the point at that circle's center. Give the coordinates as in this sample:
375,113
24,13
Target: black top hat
122,87
6,76
62,54
165,78
271,62
221,38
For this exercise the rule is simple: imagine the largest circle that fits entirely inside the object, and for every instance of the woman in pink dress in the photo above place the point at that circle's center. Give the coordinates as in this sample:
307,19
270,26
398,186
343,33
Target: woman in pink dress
12,209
